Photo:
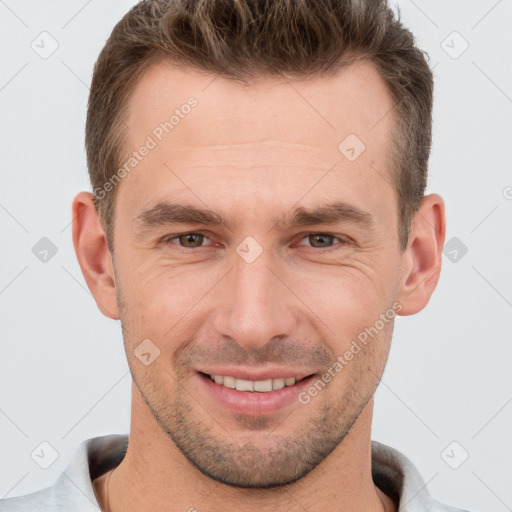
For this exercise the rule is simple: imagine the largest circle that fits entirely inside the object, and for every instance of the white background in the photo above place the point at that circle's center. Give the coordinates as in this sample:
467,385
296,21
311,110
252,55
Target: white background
63,372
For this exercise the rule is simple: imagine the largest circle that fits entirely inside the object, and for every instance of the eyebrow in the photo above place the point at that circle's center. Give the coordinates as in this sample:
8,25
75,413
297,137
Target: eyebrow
329,214
166,213
173,213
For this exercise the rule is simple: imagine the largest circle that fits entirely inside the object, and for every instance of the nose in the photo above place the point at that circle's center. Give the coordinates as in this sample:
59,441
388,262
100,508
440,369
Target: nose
255,304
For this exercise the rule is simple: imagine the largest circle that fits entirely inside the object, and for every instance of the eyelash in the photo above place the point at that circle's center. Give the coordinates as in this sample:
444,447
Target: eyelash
169,238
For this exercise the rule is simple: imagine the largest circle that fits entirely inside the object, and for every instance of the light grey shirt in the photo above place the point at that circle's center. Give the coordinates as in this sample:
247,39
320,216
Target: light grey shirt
392,472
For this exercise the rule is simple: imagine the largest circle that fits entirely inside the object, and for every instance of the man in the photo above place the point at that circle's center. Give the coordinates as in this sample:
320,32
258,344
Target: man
258,220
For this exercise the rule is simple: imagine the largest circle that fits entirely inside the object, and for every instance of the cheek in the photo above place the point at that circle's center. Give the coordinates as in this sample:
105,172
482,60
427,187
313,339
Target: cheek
347,307
344,297
158,298
360,360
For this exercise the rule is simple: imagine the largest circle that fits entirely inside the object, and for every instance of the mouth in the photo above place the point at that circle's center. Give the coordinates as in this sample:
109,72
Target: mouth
258,386
254,397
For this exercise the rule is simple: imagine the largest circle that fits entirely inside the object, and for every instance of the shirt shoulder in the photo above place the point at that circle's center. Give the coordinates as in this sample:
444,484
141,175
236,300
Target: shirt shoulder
48,500
396,475
73,491
438,506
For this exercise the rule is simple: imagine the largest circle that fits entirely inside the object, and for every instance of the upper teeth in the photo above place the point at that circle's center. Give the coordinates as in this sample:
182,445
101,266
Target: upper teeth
253,385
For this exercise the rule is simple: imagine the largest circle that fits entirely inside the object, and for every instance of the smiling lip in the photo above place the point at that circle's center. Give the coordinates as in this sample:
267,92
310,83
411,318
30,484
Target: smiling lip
253,403
239,373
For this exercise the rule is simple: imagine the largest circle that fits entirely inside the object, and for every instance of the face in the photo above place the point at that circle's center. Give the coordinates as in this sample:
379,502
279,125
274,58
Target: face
293,256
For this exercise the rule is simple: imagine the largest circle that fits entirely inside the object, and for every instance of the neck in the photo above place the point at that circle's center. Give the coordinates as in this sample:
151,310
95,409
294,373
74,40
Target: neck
156,469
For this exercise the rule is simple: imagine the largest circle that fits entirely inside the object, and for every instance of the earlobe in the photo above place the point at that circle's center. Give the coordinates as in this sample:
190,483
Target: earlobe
421,261
93,254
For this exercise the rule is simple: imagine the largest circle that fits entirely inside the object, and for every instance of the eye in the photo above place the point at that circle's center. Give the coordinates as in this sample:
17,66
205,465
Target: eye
186,240
322,240
194,240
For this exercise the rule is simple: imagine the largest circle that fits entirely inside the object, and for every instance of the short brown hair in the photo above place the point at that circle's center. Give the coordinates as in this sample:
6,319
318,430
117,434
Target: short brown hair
244,39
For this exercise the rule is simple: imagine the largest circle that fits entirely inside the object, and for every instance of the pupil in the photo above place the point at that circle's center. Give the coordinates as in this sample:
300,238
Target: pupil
190,239
325,239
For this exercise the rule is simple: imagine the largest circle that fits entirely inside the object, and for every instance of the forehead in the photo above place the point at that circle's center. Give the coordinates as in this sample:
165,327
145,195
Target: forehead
316,113
260,142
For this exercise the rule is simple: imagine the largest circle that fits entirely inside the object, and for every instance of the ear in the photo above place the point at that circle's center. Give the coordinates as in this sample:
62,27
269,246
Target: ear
93,254
421,261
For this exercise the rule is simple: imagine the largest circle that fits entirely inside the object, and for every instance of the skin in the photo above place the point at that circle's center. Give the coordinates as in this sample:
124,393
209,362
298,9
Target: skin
252,153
